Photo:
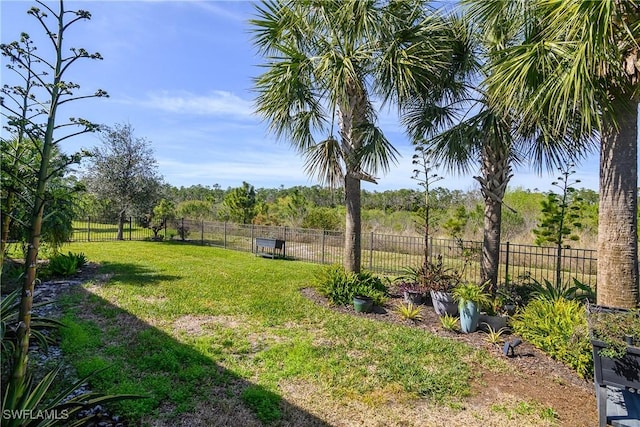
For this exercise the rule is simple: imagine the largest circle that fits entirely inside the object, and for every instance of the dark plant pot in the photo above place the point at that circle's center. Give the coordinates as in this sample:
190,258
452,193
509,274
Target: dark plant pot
622,373
495,322
362,304
443,303
469,316
510,309
414,298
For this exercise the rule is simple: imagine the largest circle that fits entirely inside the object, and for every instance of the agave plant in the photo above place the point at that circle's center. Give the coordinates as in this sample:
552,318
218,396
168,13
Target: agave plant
32,406
41,327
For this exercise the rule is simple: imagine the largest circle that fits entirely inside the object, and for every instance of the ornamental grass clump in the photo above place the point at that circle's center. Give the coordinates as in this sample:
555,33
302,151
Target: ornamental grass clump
340,286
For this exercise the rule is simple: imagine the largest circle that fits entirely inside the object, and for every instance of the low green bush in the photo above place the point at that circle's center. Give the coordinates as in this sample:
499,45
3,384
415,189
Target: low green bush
66,265
340,286
559,328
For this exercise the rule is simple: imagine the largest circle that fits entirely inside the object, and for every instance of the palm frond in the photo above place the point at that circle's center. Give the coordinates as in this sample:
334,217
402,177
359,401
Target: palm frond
376,154
324,160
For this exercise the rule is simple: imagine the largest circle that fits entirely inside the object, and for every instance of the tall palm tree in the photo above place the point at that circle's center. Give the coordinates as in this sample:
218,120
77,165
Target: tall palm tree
465,131
333,59
576,72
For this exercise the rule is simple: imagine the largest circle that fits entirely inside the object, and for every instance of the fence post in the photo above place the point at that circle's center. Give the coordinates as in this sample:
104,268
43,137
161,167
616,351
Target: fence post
202,231
182,229
323,248
284,237
252,228
225,235
371,252
506,265
88,228
130,228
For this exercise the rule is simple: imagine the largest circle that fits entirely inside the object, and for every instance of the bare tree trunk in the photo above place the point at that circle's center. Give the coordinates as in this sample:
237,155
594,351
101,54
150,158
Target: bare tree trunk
121,220
617,219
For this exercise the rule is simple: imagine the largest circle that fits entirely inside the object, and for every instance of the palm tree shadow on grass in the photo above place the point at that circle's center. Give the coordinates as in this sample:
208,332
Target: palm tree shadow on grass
185,387
137,274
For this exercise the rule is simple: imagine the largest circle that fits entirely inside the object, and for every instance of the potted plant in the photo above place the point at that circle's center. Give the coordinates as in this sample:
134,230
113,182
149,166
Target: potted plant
362,304
413,292
470,297
615,338
438,281
495,315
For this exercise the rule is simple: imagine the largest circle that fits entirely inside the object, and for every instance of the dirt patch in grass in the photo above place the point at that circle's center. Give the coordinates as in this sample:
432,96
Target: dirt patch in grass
534,384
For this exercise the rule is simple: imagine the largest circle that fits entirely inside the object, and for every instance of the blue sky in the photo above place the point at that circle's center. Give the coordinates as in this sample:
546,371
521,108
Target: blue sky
180,72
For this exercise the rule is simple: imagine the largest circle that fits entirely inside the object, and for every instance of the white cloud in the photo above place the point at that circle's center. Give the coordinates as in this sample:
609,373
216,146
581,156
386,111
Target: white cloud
217,103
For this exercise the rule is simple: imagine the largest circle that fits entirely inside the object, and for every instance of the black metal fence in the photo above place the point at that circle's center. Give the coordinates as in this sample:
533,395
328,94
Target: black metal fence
381,253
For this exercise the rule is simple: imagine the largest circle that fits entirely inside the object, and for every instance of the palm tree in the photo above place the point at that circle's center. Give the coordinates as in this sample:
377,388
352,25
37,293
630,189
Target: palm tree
332,59
464,130
575,72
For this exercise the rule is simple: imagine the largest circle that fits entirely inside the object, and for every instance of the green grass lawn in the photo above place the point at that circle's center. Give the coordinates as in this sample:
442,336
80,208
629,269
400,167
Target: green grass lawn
194,327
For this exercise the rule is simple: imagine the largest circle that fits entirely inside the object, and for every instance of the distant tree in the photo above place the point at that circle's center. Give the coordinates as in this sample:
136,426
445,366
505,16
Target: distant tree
124,172
241,203
426,177
322,218
194,209
163,212
30,109
560,217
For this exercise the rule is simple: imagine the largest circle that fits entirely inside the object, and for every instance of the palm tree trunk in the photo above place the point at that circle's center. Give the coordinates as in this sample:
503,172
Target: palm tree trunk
617,276
496,174
491,243
352,115
353,235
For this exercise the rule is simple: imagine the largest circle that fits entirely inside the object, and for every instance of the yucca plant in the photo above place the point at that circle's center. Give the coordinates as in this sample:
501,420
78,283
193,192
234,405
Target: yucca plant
409,312
554,291
449,322
41,327
30,399
493,336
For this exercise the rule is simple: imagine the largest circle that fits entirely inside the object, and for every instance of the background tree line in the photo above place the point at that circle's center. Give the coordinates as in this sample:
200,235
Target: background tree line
455,213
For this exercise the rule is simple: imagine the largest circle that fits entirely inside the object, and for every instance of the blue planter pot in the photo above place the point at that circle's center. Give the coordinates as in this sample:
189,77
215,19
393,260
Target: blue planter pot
469,316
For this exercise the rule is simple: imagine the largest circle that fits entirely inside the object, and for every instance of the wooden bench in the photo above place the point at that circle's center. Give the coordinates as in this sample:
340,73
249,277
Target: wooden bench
271,248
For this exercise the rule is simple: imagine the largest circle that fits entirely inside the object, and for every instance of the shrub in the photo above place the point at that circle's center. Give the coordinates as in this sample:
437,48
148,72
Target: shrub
559,328
66,265
63,265
339,286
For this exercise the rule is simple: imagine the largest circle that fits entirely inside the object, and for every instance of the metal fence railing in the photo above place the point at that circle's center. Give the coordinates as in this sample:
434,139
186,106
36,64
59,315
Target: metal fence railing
381,253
